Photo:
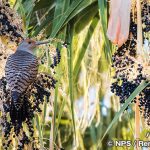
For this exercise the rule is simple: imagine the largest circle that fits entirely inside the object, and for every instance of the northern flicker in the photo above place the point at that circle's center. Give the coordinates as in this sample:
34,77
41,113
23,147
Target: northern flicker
21,70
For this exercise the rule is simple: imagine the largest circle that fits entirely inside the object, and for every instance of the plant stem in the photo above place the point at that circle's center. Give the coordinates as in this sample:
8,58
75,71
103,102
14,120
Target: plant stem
52,130
137,123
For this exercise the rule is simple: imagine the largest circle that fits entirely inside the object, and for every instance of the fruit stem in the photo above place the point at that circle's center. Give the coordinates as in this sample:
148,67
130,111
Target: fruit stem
139,28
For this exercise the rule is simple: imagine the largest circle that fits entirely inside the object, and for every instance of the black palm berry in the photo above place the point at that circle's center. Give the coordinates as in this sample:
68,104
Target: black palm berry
56,59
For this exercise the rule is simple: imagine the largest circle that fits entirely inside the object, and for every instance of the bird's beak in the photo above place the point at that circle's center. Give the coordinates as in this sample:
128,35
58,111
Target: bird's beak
42,42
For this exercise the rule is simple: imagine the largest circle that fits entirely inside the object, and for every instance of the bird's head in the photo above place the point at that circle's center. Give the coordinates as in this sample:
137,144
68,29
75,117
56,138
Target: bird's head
29,45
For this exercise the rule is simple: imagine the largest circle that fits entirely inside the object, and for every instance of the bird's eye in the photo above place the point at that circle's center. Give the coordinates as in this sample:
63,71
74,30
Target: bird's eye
29,42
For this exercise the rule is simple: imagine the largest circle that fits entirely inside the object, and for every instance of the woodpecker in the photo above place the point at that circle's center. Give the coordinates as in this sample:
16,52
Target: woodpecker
21,71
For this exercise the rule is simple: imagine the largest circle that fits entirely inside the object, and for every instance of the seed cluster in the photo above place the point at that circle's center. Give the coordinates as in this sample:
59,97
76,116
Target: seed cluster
129,71
32,99
10,24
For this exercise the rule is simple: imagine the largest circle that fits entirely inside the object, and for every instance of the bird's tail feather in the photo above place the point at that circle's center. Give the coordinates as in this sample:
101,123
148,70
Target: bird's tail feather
17,112
16,99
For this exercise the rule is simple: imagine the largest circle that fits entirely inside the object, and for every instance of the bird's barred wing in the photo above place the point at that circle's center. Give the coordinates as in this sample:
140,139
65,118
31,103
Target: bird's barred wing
21,70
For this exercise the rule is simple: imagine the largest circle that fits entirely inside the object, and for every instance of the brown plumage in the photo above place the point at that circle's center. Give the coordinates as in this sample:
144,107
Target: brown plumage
21,70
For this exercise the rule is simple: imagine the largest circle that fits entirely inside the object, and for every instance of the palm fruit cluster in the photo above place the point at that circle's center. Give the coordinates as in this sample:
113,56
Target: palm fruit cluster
130,68
10,24
10,32
54,53
35,95
56,59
